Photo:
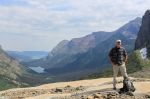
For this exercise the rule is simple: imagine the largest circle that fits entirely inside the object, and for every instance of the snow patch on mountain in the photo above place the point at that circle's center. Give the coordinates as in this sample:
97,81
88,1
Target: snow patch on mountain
143,53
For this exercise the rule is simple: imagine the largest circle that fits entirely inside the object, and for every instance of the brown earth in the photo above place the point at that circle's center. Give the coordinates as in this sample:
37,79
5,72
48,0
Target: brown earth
84,89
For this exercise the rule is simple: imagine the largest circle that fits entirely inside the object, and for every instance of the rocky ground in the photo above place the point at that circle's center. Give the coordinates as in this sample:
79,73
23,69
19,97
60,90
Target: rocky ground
84,89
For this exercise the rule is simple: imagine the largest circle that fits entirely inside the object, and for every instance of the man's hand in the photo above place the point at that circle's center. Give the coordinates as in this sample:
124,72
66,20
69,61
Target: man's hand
111,61
126,60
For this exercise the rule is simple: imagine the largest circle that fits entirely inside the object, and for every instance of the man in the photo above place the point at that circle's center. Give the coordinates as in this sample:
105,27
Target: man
118,58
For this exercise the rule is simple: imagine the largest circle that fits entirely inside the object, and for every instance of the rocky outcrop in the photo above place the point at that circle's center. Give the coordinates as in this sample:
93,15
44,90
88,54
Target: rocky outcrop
143,38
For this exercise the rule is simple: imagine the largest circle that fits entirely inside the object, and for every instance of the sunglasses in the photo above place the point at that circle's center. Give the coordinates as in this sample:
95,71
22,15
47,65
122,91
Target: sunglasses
118,42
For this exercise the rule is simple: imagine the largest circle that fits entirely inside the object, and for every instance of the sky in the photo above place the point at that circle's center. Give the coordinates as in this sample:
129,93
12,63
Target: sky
42,24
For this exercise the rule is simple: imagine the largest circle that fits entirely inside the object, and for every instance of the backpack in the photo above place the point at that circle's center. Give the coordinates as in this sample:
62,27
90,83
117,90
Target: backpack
127,86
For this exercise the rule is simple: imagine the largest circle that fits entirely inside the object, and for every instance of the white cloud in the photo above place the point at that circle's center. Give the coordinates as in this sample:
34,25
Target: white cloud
52,21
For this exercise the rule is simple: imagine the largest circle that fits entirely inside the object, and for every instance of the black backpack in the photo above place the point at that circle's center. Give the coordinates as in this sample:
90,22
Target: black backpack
127,86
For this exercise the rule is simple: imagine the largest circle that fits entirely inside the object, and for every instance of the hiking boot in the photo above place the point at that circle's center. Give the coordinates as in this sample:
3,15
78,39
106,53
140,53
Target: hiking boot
114,88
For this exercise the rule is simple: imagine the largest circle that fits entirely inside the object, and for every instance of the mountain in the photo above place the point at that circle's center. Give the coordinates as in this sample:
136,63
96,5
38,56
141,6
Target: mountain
80,45
88,53
64,52
25,56
143,39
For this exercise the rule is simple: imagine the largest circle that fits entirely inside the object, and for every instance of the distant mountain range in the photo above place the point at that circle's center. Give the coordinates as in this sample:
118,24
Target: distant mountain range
25,56
88,52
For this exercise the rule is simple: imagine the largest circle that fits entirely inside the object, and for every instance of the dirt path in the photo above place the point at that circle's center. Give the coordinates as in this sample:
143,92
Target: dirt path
82,89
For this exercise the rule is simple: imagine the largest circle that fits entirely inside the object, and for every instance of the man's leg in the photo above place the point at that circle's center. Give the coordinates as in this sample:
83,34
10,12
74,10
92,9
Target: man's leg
115,73
123,71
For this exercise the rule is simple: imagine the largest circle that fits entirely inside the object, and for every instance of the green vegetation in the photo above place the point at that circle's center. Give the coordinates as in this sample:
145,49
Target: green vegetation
104,73
7,83
135,64
148,52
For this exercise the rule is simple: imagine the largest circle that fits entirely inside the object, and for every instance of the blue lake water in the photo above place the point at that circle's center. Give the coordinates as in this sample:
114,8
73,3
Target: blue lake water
38,69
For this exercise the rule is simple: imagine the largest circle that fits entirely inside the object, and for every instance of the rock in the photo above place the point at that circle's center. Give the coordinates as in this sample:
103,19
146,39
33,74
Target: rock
130,93
99,96
80,88
147,96
90,97
111,96
83,97
58,90
68,86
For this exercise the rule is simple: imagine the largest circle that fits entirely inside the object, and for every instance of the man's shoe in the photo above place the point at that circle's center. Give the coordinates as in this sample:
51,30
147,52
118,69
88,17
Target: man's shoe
114,88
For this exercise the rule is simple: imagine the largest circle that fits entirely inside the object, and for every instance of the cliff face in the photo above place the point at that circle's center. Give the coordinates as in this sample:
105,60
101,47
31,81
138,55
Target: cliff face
143,38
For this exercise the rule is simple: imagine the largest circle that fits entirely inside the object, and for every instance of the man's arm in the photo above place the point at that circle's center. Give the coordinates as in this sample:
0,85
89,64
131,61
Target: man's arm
110,56
111,60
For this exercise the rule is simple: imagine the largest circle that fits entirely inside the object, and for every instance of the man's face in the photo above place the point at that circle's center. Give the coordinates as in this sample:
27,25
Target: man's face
118,44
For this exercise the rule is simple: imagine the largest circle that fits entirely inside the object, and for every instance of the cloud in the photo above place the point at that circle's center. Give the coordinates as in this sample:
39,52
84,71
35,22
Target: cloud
49,21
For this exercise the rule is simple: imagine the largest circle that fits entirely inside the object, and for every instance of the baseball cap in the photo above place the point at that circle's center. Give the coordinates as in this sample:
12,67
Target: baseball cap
118,41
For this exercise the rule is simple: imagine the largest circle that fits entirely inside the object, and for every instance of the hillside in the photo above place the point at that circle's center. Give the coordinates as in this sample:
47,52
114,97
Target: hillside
10,71
82,89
